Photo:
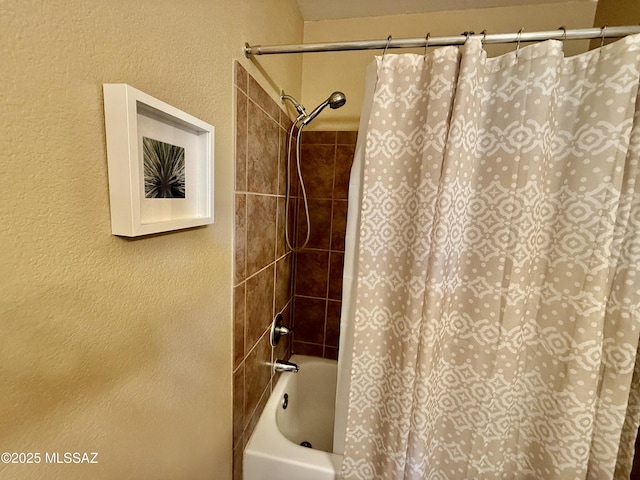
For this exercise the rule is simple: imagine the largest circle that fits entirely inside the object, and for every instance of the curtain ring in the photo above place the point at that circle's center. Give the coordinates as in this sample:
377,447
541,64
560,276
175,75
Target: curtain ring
387,45
484,35
602,30
466,39
518,41
384,52
426,43
564,33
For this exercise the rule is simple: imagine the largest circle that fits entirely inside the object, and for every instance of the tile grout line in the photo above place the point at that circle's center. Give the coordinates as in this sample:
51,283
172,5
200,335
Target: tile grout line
333,192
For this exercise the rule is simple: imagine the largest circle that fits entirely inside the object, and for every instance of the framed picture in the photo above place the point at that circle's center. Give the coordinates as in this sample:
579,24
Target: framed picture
160,163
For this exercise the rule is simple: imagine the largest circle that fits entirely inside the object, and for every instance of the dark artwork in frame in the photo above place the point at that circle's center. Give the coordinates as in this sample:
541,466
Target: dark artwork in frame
164,169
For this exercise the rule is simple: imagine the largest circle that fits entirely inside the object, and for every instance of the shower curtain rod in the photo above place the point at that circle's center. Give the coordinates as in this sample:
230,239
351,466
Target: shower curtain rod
560,34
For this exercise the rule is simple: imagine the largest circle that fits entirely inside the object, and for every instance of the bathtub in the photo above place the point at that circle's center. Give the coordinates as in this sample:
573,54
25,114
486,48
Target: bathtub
274,451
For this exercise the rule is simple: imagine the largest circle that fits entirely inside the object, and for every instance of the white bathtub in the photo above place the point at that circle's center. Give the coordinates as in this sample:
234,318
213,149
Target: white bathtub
274,451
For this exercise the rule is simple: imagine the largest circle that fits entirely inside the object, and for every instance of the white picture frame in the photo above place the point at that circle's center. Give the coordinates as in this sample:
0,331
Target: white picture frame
160,162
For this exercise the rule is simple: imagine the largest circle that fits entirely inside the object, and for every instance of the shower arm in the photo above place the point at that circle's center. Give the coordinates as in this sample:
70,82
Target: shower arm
299,108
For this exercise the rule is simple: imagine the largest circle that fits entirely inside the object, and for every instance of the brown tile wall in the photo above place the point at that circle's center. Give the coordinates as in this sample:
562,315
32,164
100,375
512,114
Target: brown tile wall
263,272
326,163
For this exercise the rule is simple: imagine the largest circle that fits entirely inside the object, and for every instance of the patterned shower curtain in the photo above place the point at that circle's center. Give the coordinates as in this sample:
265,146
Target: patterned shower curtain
498,288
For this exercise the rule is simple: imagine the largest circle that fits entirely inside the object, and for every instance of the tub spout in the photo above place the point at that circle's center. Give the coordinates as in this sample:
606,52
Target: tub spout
282,366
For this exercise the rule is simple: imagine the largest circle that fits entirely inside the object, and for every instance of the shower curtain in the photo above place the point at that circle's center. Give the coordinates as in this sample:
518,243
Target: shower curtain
496,287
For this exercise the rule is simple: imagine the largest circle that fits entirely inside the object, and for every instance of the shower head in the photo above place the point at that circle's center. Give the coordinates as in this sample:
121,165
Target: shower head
335,100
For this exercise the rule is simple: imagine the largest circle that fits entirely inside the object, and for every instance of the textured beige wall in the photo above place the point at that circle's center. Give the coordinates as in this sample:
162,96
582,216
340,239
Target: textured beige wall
345,71
616,12
113,345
